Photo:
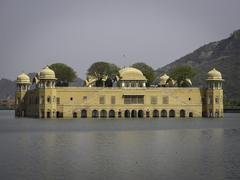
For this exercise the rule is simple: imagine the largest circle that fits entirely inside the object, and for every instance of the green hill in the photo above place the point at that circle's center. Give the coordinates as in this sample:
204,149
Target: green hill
224,55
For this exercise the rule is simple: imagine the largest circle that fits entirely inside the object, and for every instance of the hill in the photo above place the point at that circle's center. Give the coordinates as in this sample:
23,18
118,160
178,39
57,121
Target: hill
224,55
8,87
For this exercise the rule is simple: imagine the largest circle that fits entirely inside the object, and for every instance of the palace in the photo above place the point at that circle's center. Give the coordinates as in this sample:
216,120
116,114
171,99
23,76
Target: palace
129,98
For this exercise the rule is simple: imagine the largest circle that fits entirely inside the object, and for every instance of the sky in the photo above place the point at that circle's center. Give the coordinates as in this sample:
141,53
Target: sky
36,33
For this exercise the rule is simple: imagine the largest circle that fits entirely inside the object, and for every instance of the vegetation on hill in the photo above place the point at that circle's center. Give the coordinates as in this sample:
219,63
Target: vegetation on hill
223,55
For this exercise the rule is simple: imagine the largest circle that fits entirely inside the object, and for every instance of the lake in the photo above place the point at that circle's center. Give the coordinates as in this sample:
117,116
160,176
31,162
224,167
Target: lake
120,148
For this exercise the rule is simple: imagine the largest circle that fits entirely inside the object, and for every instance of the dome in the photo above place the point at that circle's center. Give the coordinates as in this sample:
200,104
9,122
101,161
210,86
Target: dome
163,79
188,81
130,73
23,79
47,73
214,75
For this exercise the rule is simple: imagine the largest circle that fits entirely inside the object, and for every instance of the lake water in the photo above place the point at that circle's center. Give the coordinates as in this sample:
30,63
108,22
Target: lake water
119,149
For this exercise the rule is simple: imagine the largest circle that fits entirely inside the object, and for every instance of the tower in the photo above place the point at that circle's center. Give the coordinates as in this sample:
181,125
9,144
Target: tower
23,85
47,93
214,94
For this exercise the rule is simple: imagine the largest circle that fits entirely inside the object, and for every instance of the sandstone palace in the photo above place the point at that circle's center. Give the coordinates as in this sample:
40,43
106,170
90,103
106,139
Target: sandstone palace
129,98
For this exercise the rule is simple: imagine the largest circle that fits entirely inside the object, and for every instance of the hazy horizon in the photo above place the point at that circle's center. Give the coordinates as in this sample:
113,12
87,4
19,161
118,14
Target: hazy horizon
34,34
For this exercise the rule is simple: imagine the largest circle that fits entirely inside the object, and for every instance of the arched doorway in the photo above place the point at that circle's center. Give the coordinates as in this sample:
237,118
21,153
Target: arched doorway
74,115
182,113
103,114
127,114
163,113
112,114
84,113
134,114
48,114
190,114
140,114
95,113
155,113
171,113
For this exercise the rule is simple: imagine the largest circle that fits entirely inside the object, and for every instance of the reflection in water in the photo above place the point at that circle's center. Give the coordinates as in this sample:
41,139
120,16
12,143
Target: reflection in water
36,151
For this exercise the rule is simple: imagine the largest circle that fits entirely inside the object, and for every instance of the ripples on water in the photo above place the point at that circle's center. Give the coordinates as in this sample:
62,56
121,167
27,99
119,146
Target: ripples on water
119,149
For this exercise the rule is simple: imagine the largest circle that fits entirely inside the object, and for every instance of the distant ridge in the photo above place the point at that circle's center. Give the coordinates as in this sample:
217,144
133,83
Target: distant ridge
224,55
8,87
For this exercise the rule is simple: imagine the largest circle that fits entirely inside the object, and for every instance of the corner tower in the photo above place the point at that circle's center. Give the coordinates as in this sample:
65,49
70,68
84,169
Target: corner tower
47,93
214,94
23,85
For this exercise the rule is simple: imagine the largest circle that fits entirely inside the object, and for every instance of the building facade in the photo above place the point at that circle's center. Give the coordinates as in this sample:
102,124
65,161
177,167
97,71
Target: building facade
129,99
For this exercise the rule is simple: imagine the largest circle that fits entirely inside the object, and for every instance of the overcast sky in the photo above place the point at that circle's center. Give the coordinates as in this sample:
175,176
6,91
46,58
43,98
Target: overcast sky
35,33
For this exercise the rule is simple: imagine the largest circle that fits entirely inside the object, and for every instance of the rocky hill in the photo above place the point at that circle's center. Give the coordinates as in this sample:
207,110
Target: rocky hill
223,55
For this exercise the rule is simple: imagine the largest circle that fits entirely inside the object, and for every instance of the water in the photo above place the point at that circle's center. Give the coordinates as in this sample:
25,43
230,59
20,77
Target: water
119,149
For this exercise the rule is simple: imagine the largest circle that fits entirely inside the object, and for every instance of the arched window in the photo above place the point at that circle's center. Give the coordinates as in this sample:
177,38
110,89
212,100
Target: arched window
127,114
48,114
155,113
134,114
103,114
95,113
140,114
182,113
163,113
112,114
84,113
190,114
74,114
171,113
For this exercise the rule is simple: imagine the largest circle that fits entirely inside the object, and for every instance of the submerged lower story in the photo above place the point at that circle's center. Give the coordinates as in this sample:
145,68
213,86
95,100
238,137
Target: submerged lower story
128,98
70,102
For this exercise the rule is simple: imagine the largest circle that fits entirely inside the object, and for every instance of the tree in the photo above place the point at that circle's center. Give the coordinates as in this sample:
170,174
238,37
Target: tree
103,72
64,74
147,71
181,73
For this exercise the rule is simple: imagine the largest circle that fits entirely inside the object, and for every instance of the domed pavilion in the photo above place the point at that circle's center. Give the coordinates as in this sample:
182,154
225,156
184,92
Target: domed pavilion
131,77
